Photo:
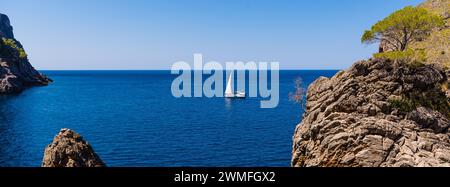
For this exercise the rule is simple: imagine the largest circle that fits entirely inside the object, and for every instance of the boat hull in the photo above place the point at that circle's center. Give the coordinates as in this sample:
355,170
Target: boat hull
235,95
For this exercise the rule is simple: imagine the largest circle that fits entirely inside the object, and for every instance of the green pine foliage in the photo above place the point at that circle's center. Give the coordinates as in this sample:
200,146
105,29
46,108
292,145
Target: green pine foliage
402,27
408,55
12,45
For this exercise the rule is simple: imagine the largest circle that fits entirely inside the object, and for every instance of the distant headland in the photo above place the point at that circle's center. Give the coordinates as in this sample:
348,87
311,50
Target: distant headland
16,72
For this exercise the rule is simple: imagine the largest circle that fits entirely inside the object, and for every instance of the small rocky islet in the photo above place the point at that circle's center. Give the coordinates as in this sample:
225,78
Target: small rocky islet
69,149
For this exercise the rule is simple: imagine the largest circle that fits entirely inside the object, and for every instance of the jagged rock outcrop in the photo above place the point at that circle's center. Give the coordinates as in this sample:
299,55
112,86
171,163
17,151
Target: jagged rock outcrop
6,29
68,149
16,72
377,113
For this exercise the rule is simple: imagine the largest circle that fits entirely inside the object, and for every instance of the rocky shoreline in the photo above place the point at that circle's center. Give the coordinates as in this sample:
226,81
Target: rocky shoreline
367,116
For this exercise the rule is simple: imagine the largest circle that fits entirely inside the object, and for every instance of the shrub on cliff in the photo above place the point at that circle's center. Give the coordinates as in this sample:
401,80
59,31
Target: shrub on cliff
9,46
409,55
433,99
298,96
402,27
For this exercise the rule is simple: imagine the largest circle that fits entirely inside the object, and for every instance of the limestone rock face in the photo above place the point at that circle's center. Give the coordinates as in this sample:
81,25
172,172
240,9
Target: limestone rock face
16,72
377,113
68,149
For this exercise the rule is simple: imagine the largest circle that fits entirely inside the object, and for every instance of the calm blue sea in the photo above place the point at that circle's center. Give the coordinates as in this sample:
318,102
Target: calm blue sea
131,119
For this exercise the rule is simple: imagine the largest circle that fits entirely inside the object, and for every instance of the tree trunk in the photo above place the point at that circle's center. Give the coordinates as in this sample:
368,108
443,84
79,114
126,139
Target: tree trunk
405,40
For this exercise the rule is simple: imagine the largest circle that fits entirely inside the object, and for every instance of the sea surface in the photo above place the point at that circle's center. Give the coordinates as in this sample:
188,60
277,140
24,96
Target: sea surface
131,119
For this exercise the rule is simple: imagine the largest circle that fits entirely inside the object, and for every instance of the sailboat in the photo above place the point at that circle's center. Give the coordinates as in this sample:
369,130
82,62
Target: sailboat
229,91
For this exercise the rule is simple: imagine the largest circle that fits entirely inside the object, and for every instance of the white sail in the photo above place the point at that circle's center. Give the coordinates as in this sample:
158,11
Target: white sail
229,90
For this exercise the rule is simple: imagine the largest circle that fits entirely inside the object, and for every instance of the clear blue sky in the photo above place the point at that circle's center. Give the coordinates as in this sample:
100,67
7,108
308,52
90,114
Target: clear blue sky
152,34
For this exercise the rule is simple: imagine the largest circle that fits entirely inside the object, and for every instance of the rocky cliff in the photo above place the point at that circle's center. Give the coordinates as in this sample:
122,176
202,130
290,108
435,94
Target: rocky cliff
68,149
16,72
381,112
377,113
